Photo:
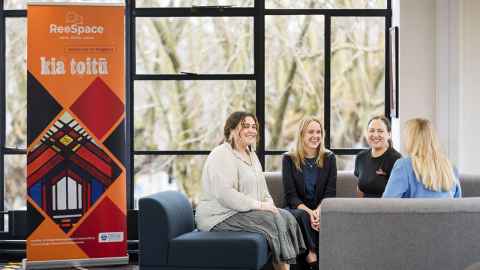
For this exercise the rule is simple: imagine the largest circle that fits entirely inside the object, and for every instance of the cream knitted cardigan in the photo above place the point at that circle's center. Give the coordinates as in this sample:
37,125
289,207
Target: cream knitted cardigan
230,185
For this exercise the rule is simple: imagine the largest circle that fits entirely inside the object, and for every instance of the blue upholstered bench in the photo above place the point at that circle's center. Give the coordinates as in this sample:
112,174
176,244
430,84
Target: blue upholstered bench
168,239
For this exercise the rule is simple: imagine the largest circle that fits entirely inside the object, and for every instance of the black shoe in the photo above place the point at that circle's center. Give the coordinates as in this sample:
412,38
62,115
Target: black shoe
313,265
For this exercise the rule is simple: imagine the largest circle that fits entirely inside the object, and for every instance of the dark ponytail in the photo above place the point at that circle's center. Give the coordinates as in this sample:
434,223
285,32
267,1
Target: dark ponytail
232,122
387,124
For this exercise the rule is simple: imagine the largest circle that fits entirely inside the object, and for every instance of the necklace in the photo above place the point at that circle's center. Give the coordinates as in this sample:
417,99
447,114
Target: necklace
310,163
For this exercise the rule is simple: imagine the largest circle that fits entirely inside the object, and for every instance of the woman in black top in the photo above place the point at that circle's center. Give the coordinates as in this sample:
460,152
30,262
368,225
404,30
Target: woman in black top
373,166
309,174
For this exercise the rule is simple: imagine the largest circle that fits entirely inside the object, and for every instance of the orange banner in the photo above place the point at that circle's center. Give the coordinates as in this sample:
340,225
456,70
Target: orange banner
76,134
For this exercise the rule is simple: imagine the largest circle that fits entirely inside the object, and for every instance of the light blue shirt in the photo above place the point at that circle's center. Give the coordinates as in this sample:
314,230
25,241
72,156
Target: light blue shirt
404,184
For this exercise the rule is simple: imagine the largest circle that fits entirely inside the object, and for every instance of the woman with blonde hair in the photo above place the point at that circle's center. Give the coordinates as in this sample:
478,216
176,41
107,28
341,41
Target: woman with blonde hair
309,174
425,172
235,196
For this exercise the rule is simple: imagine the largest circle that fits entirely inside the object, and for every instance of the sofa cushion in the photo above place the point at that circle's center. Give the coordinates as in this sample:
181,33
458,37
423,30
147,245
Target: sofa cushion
346,184
470,185
218,250
275,186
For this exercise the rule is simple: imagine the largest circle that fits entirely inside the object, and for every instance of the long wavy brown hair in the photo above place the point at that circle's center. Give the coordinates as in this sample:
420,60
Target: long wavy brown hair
232,122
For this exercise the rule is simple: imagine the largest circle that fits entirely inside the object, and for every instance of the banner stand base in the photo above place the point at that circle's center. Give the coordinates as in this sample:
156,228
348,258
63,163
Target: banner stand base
26,264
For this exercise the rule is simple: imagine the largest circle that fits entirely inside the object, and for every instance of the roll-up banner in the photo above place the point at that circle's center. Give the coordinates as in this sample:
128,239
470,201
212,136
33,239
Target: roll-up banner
76,202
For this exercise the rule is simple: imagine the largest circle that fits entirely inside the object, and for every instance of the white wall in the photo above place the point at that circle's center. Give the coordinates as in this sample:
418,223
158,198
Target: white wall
417,61
440,72
469,133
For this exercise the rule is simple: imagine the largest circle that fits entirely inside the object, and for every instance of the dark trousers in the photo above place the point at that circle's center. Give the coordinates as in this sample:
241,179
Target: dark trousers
310,236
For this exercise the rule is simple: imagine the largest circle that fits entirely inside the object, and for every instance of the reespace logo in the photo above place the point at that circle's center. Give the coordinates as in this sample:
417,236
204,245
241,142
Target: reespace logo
74,25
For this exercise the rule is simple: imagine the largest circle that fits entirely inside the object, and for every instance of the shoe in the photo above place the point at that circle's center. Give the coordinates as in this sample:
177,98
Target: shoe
313,265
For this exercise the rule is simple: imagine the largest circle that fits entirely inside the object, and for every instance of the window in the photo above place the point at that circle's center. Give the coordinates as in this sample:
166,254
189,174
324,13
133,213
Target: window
193,62
358,78
294,75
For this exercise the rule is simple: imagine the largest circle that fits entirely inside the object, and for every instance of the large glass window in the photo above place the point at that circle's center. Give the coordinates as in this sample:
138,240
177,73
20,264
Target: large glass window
206,45
154,173
294,75
358,78
194,3
16,83
186,115
22,4
15,170
326,4
193,62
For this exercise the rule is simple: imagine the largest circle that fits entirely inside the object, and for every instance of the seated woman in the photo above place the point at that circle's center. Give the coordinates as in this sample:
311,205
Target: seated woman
373,166
309,174
425,172
235,195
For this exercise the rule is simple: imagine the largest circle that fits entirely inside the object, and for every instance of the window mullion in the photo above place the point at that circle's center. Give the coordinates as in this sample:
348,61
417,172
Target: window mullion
327,80
2,111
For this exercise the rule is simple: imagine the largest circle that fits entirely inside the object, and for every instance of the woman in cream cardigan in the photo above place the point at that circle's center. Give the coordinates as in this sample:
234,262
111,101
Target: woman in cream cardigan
235,195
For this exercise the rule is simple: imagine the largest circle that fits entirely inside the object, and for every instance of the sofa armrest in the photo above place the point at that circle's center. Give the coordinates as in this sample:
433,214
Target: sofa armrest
162,217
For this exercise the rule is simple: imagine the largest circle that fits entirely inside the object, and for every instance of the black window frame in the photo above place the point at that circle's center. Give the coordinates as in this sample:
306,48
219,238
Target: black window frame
258,12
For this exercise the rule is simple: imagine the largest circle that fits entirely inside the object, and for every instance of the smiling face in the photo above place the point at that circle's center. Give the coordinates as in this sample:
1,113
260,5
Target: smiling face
378,135
312,136
246,132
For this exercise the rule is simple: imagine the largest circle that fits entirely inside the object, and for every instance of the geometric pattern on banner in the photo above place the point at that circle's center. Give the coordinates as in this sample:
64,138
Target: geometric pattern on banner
116,142
68,172
39,100
108,214
98,108
34,218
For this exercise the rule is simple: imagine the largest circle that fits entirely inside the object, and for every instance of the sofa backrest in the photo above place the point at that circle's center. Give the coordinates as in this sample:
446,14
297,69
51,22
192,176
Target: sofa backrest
399,233
162,217
470,185
347,186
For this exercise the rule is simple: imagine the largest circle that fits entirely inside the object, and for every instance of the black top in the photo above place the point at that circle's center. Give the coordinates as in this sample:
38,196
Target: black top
294,182
373,172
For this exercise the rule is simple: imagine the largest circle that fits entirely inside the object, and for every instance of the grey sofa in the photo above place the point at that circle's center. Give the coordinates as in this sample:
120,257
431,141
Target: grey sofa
355,233
396,233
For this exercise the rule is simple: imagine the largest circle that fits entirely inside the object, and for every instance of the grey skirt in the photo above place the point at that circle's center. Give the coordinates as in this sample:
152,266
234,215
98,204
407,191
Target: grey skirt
281,231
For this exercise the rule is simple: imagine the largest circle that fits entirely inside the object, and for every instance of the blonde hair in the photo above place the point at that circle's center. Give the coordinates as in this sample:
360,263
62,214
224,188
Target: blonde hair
297,154
432,168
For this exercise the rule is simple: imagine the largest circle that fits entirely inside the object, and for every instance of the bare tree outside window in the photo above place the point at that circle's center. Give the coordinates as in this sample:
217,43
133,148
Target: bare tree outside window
16,113
188,115
192,3
324,4
358,78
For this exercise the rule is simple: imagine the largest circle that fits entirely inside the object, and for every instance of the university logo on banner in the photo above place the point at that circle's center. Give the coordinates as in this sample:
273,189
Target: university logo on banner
76,135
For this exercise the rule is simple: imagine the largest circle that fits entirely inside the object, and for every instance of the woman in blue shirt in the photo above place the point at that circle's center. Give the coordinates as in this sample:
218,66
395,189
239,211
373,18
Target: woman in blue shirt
309,174
425,172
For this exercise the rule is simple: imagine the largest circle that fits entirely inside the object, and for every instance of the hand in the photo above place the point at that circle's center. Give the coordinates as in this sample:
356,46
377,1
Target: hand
311,213
316,214
268,206
314,220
